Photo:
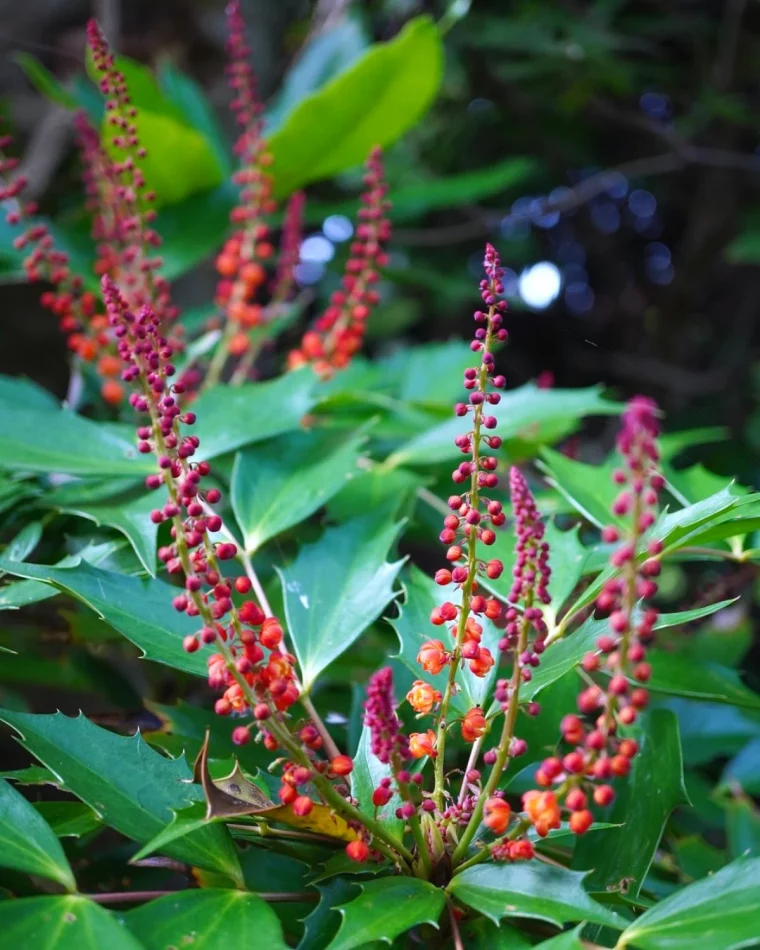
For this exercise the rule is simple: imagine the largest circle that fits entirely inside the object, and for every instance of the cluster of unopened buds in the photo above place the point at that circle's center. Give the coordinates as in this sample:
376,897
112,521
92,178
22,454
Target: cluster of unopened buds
338,334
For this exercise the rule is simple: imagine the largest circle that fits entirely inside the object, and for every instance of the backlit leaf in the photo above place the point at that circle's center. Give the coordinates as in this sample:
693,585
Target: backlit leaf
62,923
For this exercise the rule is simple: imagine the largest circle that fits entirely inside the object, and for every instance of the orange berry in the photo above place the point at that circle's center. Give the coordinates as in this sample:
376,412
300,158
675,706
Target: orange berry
357,850
238,344
252,274
251,316
302,806
422,697
581,821
497,813
109,365
432,656
87,350
226,265
264,250
341,765
112,392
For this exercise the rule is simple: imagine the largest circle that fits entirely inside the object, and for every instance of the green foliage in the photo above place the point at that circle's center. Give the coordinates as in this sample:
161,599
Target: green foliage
336,588
58,923
27,841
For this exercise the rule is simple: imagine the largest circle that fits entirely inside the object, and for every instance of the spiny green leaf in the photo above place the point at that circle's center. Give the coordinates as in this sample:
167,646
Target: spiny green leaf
654,788
69,819
336,587
207,919
132,787
323,922
529,889
277,485
27,843
717,913
140,609
386,908
373,102
230,417
62,923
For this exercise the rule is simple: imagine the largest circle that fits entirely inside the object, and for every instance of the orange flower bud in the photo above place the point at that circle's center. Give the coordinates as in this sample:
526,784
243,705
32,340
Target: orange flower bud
543,811
422,697
482,663
474,724
581,821
341,765
497,813
422,743
432,656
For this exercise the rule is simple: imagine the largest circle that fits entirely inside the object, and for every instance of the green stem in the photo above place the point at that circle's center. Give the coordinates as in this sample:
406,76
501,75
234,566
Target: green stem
472,567
483,855
507,733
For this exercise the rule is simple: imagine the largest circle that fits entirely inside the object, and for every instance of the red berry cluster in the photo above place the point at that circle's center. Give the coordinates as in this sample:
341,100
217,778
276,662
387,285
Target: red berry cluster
339,332
241,262
472,519
598,751
250,662
75,308
290,244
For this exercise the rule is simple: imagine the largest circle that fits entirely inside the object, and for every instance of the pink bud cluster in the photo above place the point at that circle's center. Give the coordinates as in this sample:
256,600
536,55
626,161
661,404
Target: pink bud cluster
126,250
339,332
387,740
290,244
613,702
249,659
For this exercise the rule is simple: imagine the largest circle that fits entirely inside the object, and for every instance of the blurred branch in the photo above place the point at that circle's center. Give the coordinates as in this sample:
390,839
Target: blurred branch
729,38
46,146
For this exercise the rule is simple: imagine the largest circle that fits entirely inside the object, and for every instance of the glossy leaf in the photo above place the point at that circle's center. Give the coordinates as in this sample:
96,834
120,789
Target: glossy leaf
323,922
371,103
654,788
717,913
529,889
132,787
69,819
413,627
230,417
279,484
208,919
140,609
36,439
62,923
130,518
588,488
744,768
386,908
569,940
27,843
366,776
336,587
533,415
676,675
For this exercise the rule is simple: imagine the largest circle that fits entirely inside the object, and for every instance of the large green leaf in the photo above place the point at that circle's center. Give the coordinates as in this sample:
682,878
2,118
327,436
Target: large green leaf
279,484
744,768
533,415
372,103
323,922
230,417
385,909
569,940
132,519
717,913
336,587
529,889
27,842
39,439
139,608
23,392
208,919
676,675
62,923
413,626
366,776
588,488
133,788
69,819
654,788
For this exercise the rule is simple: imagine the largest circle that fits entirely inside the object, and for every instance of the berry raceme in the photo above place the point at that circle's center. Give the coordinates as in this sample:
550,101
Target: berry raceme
595,748
338,334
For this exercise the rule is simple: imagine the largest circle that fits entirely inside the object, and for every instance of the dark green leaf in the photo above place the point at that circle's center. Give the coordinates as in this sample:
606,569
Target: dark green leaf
743,828
366,776
336,587
717,913
62,923
276,486
371,103
208,919
533,415
676,675
588,488
22,392
132,787
36,439
27,843
529,889
654,788
385,909
570,940
323,922
140,609
231,417
24,543
188,98
744,769
69,819
696,858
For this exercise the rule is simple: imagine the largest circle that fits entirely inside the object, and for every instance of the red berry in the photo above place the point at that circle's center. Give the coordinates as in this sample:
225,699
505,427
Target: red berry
357,851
